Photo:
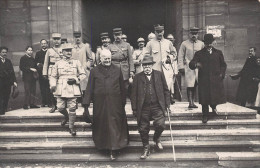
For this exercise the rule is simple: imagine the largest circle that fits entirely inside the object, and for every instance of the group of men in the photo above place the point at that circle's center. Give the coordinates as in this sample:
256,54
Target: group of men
69,72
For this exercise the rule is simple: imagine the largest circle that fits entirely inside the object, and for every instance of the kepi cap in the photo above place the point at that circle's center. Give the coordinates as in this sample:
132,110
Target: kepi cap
140,40
77,34
67,46
194,30
56,35
117,30
104,35
124,36
158,27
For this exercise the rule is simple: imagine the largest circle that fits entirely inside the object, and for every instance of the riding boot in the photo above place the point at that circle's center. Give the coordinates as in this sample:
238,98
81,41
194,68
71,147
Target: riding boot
66,117
72,119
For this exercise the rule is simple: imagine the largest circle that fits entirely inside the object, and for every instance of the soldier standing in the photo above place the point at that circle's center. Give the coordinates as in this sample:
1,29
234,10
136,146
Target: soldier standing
52,55
186,54
122,56
82,52
138,55
64,80
105,42
124,38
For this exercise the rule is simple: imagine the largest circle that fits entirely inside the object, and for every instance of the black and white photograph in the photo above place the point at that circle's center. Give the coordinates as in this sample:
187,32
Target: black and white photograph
129,83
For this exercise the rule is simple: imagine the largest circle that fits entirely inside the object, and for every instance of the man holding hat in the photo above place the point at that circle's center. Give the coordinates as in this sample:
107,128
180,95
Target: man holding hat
83,53
122,56
159,48
150,99
138,55
64,82
105,42
212,67
52,55
186,53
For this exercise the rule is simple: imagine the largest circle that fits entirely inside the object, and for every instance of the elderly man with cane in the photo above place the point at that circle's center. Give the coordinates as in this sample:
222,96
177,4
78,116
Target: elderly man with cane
150,99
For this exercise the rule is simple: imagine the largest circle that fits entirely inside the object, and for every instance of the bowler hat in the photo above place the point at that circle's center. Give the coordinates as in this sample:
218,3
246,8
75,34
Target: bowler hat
148,59
208,38
77,34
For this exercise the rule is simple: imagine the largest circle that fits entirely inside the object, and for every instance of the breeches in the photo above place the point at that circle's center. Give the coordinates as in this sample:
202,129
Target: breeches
71,103
149,113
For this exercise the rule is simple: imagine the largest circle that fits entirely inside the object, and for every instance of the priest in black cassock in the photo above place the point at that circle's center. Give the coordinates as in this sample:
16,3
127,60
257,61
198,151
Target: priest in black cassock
106,89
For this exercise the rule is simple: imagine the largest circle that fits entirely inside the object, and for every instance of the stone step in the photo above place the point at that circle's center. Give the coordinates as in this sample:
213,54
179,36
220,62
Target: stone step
201,135
197,159
180,111
176,125
89,147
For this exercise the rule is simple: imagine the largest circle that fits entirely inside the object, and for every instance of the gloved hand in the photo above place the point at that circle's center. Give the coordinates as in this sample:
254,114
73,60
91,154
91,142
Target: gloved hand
71,81
45,77
86,116
134,113
182,71
53,89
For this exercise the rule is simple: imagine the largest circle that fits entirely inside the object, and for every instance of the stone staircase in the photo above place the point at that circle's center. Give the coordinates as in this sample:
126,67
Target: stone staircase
231,139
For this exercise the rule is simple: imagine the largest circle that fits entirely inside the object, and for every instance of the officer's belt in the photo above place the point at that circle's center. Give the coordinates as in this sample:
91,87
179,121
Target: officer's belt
119,60
52,63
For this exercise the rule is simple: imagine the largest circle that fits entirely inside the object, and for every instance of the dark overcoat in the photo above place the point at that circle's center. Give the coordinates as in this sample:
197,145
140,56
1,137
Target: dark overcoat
138,92
247,88
211,75
105,88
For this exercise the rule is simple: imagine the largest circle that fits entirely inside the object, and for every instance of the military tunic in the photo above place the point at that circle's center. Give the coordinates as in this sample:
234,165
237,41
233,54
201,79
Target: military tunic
138,56
83,53
159,49
61,72
52,55
122,57
186,54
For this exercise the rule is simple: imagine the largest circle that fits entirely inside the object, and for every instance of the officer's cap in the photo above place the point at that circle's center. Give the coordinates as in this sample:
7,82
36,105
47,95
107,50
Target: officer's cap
140,40
194,30
56,35
158,27
64,40
170,36
77,34
104,35
117,30
67,46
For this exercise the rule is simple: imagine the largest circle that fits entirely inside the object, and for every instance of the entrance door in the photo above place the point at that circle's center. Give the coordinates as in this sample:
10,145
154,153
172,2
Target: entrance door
135,17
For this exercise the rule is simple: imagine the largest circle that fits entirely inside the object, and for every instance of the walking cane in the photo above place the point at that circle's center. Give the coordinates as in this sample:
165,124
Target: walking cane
173,150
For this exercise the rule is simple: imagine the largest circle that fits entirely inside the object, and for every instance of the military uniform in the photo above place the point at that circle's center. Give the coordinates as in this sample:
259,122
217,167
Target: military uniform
62,71
159,49
186,54
138,55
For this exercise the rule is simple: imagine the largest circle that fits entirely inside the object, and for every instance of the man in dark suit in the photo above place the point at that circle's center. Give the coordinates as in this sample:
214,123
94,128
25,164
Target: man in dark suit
7,79
212,68
44,83
150,99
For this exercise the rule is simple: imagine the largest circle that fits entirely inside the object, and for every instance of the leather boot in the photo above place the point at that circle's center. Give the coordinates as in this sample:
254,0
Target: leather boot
156,139
112,155
193,93
205,112
52,110
66,117
72,119
146,152
189,97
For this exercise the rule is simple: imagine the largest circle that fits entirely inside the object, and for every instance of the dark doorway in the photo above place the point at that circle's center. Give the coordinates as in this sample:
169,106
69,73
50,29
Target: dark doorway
135,17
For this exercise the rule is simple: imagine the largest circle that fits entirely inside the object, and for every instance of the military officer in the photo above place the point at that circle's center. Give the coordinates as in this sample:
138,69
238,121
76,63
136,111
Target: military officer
122,56
138,55
124,38
83,53
186,54
105,42
64,82
52,55
151,36
171,38
64,40
159,48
